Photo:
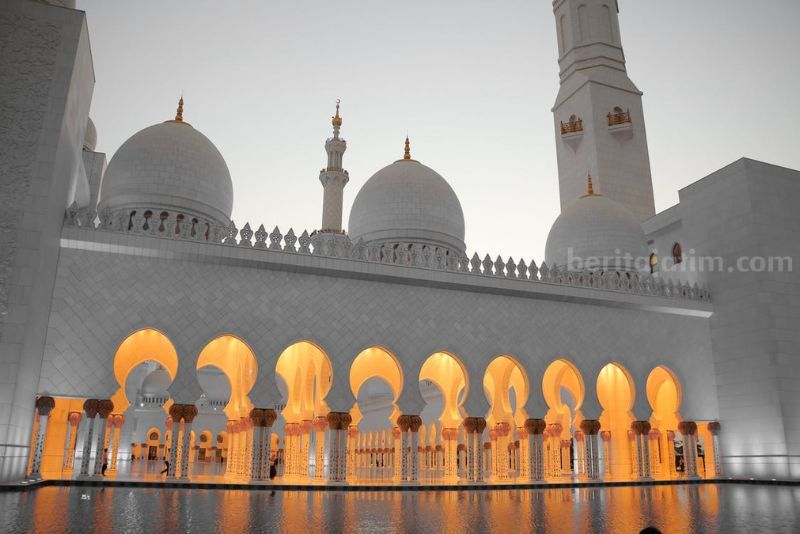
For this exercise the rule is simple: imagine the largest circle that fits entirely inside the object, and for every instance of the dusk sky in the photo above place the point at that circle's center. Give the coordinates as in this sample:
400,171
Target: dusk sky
472,83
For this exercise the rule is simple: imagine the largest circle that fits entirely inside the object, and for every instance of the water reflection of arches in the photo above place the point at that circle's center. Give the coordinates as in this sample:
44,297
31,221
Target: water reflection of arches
616,393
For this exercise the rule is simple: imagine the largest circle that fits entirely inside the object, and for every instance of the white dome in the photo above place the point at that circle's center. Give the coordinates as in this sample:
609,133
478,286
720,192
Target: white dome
595,232
156,383
169,166
408,202
90,137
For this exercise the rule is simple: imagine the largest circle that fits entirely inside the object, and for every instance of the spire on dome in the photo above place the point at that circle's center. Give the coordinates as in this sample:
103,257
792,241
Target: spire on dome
589,188
337,120
179,114
407,152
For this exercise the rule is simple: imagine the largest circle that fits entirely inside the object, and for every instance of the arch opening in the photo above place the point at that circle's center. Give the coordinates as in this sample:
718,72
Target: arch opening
444,374
615,391
228,357
506,387
376,380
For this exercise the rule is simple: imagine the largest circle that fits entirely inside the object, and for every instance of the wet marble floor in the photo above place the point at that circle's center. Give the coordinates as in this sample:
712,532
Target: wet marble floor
712,508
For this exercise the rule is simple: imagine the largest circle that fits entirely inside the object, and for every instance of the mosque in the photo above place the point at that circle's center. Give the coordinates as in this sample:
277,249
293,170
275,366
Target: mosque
139,323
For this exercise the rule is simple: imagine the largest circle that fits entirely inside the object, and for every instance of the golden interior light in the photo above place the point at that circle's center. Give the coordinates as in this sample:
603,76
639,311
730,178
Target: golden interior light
141,346
449,375
233,357
502,375
562,376
376,362
308,375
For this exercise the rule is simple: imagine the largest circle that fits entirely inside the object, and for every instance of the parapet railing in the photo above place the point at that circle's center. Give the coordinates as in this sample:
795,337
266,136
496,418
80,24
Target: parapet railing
338,245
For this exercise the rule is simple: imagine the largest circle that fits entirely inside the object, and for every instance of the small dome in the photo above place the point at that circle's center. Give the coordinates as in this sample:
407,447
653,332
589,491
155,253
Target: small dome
169,166
595,232
408,202
156,383
90,138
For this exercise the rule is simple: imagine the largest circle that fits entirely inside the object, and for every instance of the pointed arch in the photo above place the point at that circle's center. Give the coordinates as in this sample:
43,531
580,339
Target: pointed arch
308,374
376,362
564,392
231,355
147,344
504,374
450,376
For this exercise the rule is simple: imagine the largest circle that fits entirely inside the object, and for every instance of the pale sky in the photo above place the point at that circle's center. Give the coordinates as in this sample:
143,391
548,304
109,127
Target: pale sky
471,81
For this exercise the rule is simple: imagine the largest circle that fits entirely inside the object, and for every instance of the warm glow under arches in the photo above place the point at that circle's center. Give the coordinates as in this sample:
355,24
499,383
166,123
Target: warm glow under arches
502,375
307,372
562,376
233,357
141,346
449,375
616,393
664,396
376,362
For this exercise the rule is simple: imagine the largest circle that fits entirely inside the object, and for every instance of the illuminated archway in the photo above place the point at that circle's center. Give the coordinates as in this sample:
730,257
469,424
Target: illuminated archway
506,386
308,375
664,395
376,362
449,375
236,360
563,391
616,393
137,348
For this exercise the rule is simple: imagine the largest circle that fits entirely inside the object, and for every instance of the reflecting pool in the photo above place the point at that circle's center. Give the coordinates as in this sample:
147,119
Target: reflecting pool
691,508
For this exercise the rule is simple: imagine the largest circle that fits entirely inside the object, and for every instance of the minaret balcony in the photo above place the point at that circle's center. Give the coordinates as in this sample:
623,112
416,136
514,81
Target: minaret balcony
571,127
572,132
619,118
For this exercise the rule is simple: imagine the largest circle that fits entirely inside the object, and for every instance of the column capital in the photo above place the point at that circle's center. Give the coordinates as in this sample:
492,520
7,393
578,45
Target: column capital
640,427
339,420
590,427
714,427
475,425
104,408
535,426
416,422
74,418
687,428
90,407
45,405
404,422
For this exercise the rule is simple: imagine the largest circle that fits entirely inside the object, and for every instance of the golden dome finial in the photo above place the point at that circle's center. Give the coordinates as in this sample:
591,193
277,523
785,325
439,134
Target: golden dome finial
337,120
590,189
179,114
407,152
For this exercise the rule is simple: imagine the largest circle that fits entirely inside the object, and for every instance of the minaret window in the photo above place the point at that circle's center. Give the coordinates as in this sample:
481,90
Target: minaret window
617,116
677,254
574,125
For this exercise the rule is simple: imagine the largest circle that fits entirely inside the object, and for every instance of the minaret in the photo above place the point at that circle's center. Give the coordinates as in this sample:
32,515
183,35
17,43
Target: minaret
333,179
599,121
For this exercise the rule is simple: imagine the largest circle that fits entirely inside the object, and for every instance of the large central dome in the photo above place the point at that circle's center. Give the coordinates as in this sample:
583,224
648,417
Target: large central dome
408,202
172,167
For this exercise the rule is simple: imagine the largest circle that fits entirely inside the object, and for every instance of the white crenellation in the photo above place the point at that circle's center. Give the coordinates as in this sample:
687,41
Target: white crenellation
172,226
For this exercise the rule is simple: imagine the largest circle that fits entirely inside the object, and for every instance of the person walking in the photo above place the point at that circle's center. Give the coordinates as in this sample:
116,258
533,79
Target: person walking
105,462
166,466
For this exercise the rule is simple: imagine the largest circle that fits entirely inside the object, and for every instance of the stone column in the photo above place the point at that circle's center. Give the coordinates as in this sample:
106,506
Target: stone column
475,427
72,439
339,423
689,431
44,405
670,453
229,426
641,432
355,453
320,425
714,428
591,428
176,414
90,407
450,436
104,408
523,453
501,456
116,420
415,423
404,423
605,435
535,429
554,444
189,413
656,467
305,447
397,454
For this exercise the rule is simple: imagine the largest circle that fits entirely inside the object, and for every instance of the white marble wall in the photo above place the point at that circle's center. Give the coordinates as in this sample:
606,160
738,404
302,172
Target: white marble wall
45,108
748,209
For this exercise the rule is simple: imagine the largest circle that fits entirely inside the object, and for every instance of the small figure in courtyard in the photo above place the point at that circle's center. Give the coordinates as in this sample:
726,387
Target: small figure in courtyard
273,469
105,462
166,466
